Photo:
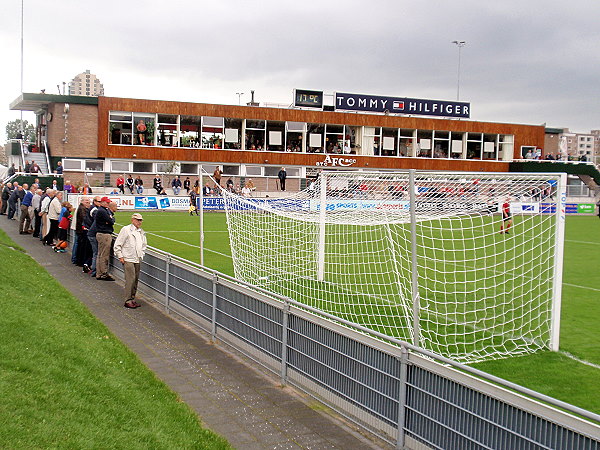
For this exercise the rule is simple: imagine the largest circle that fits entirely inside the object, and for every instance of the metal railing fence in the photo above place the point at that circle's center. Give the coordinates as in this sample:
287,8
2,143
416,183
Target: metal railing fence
405,395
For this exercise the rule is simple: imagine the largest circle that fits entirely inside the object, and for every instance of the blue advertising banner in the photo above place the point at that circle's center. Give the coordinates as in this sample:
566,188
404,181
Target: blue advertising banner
401,105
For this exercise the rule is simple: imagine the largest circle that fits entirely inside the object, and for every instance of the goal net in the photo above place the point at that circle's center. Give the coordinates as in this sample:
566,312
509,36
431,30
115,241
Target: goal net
465,265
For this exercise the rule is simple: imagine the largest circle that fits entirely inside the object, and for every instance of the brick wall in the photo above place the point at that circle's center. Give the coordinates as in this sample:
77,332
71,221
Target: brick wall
82,131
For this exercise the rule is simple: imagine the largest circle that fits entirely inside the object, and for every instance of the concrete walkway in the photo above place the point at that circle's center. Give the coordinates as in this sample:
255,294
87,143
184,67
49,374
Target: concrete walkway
231,395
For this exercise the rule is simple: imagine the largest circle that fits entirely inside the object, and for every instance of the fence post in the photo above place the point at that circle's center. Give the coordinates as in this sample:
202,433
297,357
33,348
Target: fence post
213,332
402,397
167,282
284,340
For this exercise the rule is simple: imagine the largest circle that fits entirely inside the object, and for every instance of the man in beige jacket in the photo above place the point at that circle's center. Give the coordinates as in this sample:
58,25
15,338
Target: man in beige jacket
129,248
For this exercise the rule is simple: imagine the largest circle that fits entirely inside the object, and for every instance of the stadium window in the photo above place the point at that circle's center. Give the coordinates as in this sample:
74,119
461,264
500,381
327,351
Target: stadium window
315,133
212,132
389,142
275,134
233,134
253,171
371,141
231,170
406,146
255,134
424,143
120,127
190,131
73,164
456,145
94,165
149,136
490,146
167,130
474,145
120,166
191,169
441,144
142,167
295,136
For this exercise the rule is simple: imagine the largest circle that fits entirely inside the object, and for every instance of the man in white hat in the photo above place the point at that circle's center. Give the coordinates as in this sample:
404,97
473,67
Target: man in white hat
129,248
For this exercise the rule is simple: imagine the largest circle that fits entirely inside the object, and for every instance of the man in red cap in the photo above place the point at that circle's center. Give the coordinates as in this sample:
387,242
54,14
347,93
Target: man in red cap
105,221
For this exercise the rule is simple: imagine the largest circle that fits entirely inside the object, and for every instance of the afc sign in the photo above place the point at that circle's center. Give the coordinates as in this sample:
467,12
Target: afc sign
332,161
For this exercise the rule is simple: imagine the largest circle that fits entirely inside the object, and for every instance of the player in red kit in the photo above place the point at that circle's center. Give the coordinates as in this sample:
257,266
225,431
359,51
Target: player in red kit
506,217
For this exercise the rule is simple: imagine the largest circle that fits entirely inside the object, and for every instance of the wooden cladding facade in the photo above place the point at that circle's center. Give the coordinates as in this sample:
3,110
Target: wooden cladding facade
529,135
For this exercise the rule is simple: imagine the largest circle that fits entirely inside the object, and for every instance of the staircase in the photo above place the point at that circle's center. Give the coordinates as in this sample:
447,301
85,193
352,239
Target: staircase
40,159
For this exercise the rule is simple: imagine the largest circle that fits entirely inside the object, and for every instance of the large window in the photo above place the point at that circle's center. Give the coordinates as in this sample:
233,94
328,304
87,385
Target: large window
120,128
276,136
213,132
233,133
389,142
190,131
294,137
506,149
406,146
474,145
168,130
424,143
144,129
490,146
371,141
441,144
255,134
334,138
316,138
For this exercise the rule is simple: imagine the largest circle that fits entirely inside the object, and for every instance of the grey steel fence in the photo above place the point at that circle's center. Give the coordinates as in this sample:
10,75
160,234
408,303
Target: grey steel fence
409,397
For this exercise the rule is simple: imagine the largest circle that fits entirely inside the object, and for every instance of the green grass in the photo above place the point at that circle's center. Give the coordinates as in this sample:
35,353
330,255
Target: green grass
544,371
66,381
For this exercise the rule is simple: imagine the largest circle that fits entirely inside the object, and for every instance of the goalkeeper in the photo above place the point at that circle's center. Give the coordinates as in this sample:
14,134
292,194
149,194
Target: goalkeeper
506,217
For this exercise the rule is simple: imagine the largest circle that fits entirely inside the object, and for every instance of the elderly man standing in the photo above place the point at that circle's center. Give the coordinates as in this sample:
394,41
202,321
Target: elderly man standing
25,217
130,247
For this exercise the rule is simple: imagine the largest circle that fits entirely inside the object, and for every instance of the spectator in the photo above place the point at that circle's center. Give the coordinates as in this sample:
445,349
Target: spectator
64,223
139,185
36,203
121,184
186,185
11,170
35,168
104,220
207,191
86,190
6,190
68,187
13,201
130,183
229,185
54,209
176,185
82,249
25,217
59,168
157,185
130,247
27,168
282,175
217,175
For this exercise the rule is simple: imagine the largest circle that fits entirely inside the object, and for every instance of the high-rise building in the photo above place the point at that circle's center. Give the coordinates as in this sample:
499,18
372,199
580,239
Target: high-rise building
87,84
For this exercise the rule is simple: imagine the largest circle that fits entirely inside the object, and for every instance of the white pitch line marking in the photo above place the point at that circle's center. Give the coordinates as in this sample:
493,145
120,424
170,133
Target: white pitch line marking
582,242
579,360
581,287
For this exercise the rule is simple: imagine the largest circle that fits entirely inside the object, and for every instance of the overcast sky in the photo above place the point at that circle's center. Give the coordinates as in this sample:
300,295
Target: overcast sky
530,62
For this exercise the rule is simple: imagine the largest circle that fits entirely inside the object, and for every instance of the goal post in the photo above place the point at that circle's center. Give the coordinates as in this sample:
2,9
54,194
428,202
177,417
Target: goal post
467,265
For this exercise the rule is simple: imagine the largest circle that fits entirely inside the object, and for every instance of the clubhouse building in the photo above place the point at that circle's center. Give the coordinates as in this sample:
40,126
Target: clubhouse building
100,138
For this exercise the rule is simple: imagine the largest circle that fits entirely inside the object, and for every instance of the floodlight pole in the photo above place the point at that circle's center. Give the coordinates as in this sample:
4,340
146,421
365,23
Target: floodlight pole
414,262
201,207
460,45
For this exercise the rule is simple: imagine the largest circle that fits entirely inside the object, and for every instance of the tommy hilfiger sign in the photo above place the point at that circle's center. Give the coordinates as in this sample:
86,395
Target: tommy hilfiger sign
400,105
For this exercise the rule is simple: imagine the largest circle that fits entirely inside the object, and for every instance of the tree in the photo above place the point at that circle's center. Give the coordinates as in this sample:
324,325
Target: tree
13,130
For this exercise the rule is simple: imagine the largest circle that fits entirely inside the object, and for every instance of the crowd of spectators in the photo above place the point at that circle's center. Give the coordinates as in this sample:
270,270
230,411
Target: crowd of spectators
45,216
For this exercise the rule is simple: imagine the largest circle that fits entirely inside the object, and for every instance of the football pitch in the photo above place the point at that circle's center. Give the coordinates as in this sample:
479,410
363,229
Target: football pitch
570,375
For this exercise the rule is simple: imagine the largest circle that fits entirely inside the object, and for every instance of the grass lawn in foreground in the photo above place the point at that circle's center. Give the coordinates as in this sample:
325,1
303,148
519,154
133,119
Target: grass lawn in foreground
66,381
